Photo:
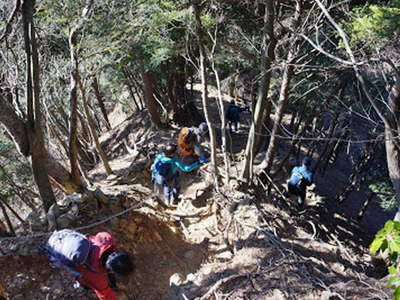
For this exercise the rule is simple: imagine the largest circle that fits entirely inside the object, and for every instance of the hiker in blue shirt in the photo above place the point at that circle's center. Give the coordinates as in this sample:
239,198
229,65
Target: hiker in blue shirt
232,115
165,173
300,178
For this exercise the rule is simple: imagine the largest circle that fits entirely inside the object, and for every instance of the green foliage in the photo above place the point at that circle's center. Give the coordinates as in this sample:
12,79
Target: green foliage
388,240
375,25
385,192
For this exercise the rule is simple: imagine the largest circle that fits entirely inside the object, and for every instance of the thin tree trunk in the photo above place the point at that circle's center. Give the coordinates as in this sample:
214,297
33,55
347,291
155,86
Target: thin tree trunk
92,127
269,43
223,125
99,97
204,94
128,85
6,217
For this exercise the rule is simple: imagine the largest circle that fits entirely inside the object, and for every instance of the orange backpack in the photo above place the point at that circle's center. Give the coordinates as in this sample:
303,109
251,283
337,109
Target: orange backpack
184,143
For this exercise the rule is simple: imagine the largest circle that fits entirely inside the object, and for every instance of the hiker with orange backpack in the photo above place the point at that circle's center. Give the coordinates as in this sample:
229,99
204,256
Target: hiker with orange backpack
165,173
91,261
189,140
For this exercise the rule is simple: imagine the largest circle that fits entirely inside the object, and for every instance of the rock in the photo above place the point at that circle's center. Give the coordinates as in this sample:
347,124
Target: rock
112,177
191,277
326,295
54,210
74,198
65,220
52,223
226,255
278,295
35,223
176,279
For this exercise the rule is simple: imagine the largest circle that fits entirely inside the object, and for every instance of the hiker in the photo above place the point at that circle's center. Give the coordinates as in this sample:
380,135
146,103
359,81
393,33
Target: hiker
300,178
189,140
92,261
165,173
232,115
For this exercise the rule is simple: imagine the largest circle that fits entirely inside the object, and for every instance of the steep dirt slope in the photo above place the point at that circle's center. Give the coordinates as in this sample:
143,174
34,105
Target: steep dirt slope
227,245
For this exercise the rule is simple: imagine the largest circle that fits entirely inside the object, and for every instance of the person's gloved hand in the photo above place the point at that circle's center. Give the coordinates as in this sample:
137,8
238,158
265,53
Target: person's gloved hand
247,107
203,160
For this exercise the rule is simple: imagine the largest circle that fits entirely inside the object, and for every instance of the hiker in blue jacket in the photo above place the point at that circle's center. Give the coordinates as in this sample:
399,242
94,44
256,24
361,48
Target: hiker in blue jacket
232,115
300,178
165,173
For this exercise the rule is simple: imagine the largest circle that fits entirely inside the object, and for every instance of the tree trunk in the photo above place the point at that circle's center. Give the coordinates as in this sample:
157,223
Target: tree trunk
288,73
392,145
204,94
99,97
6,217
73,119
92,127
35,129
269,43
128,85
149,96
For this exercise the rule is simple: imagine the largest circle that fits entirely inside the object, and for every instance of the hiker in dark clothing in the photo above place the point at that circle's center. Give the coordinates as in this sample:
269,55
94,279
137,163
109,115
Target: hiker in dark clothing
300,178
232,115
92,261
165,173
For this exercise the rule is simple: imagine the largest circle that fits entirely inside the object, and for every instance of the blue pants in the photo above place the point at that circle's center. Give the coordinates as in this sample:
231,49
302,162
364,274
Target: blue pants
171,187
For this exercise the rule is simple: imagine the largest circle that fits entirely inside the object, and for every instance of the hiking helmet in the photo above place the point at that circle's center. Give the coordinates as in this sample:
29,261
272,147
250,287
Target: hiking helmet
307,161
203,128
119,262
170,149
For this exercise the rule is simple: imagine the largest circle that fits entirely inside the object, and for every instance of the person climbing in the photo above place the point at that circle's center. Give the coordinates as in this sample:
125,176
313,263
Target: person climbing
300,178
189,140
92,261
165,173
232,115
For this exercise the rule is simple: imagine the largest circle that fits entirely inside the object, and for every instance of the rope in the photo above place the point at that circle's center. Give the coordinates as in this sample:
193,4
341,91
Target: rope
41,234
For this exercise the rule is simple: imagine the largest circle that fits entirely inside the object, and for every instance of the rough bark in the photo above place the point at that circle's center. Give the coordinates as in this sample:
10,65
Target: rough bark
149,96
269,43
73,119
35,128
100,100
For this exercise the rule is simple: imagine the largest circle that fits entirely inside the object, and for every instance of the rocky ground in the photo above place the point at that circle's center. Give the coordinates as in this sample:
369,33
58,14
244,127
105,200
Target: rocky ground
230,244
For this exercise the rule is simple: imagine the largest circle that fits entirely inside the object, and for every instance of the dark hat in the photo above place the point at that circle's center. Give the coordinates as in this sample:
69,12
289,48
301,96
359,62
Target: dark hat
170,149
119,262
232,101
307,161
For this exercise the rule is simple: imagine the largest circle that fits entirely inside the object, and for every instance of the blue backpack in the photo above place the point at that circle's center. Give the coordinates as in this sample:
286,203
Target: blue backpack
163,168
67,249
